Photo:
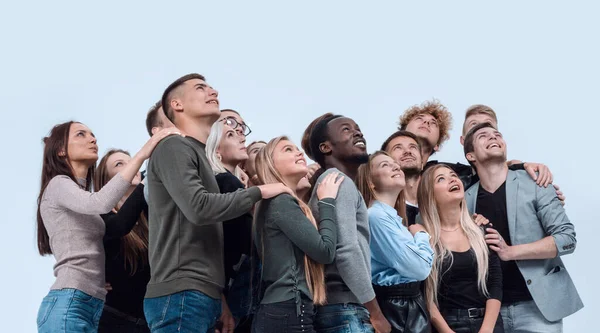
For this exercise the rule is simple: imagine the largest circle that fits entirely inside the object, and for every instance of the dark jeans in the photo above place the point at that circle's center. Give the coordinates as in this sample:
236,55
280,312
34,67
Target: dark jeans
115,321
343,318
404,307
241,299
285,317
468,321
186,311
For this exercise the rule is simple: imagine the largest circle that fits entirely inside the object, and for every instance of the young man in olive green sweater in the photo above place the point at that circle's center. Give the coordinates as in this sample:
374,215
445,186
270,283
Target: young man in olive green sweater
185,245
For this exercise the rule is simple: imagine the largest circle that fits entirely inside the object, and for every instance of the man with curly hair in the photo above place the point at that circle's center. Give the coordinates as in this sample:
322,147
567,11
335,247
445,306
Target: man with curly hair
431,122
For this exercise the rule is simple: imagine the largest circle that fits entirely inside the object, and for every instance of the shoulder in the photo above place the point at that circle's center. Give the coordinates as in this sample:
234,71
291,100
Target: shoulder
56,185
347,185
59,182
228,181
173,143
283,200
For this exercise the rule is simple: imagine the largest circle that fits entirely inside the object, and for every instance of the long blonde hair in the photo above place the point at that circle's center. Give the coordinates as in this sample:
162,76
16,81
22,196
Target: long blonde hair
431,221
134,245
366,187
268,174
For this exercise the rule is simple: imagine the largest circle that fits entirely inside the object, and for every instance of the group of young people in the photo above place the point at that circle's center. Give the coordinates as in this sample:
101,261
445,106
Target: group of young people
218,235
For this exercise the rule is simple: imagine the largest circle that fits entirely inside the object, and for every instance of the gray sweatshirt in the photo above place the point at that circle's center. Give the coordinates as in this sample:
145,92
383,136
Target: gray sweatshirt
349,276
186,210
71,216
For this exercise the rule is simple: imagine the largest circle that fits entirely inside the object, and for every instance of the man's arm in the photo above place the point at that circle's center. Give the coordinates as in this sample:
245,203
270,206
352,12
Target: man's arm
176,164
561,232
348,258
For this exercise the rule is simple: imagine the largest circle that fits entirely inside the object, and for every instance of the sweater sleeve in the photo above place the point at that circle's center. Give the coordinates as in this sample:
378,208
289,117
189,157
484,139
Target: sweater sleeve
121,223
177,166
285,212
352,268
494,279
64,192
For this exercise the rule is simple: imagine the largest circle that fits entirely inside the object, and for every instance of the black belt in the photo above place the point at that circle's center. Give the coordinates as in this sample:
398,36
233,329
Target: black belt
411,289
124,316
471,313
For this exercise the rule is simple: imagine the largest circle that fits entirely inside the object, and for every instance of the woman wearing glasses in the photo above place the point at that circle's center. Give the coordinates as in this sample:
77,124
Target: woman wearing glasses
225,150
234,120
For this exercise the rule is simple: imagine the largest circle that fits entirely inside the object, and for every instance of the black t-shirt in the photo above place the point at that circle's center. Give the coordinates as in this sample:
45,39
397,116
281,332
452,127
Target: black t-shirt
411,214
458,288
237,233
127,294
493,207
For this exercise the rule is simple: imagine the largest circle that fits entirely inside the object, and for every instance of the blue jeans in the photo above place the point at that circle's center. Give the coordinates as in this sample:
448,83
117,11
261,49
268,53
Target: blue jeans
186,311
343,318
525,317
69,310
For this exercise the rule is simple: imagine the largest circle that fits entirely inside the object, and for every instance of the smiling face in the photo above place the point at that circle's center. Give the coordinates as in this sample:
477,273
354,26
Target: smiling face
386,175
289,161
116,162
82,147
488,144
196,99
346,141
447,187
405,151
232,147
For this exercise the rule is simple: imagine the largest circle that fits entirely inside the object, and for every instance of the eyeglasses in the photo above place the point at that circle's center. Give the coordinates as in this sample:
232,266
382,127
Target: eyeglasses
231,122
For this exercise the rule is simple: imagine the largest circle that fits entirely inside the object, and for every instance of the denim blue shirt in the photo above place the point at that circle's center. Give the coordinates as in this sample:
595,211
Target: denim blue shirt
396,256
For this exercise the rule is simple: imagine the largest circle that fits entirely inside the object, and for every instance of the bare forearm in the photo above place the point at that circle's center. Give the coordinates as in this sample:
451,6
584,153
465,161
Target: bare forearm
545,248
492,309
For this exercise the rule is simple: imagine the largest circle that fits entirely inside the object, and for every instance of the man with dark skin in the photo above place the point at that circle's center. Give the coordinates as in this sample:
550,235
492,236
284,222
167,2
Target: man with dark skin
337,144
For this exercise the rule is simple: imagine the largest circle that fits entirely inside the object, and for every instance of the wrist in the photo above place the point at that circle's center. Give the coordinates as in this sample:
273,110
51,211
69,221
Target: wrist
510,253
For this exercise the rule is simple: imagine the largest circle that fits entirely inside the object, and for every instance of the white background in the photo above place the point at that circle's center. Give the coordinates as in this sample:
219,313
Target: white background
283,64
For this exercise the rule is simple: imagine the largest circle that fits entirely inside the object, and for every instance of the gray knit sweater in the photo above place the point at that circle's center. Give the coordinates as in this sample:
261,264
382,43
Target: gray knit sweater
349,277
71,216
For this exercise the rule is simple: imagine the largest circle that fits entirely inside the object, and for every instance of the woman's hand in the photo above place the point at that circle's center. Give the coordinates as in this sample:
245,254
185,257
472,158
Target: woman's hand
329,186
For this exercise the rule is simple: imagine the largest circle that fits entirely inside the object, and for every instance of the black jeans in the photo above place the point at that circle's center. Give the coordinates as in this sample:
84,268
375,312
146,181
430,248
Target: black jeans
468,321
285,317
115,321
404,307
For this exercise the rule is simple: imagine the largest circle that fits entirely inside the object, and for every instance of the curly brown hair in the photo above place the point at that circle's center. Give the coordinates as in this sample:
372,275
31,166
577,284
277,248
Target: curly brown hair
435,109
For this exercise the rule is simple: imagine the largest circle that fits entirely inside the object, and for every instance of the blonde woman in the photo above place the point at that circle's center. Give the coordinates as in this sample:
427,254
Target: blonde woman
464,289
400,256
292,246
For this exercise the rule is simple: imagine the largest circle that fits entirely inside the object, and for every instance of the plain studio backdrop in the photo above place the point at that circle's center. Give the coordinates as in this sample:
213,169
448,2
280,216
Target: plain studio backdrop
281,64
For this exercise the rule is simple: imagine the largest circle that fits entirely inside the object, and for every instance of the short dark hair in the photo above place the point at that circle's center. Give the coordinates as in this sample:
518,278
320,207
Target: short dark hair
469,146
166,97
318,135
152,118
305,143
231,110
397,134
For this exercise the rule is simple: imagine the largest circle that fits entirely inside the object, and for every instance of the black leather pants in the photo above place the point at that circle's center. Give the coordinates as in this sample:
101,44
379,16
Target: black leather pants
404,307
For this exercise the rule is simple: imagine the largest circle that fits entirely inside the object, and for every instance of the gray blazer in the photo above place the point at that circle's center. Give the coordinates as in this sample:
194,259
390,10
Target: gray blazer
535,212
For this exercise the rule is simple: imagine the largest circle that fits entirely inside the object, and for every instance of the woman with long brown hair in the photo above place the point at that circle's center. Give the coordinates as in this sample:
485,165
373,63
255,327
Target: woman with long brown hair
69,225
126,250
464,289
400,256
292,246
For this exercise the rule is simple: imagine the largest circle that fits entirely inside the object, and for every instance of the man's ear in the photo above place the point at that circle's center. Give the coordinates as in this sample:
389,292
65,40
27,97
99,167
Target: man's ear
436,148
462,140
470,157
325,148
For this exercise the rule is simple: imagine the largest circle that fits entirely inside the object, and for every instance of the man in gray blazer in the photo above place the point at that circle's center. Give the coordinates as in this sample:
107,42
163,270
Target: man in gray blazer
531,232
